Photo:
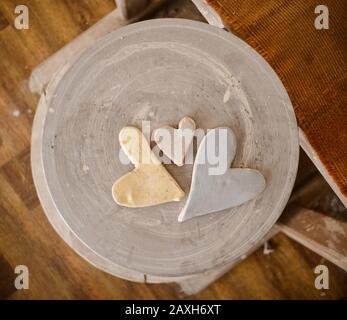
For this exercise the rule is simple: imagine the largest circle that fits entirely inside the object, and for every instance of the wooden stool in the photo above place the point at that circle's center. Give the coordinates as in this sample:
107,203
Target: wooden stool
192,273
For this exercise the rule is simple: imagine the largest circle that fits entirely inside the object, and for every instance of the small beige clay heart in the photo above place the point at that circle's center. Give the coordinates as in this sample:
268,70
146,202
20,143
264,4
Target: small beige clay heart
175,143
149,183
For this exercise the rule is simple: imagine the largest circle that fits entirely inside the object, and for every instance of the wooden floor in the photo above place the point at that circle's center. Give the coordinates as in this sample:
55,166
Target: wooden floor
26,236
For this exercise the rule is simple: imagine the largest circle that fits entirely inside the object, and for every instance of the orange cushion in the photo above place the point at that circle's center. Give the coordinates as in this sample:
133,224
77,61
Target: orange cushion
311,63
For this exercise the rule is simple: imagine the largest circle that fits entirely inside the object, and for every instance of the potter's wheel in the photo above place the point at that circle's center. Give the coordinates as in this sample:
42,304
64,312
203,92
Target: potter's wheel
160,70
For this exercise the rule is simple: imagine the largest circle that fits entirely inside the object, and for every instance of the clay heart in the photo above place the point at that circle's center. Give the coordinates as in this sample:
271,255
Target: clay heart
175,143
149,183
215,188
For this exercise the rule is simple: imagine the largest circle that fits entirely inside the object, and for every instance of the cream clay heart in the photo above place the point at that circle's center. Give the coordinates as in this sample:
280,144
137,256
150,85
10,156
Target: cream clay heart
149,183
175,143
215,186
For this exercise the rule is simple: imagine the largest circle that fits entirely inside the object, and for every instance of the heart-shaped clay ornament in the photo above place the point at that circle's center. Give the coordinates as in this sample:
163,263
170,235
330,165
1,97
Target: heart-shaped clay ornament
215,186
175,143
149,183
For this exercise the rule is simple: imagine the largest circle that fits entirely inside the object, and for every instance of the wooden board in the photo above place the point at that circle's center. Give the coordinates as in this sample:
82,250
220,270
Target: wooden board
130,8
323,234
305,144
44,72
123,80
210,15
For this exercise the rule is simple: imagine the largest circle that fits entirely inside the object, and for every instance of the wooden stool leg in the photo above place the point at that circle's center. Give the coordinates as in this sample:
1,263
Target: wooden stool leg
199,282
321,233
130,8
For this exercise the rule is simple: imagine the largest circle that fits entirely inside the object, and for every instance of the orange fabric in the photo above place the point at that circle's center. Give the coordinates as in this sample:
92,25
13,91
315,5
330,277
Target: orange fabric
311,63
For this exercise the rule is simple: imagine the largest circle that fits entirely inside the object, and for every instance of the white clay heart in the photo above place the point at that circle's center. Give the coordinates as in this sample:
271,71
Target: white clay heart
149,183
175,143
214,190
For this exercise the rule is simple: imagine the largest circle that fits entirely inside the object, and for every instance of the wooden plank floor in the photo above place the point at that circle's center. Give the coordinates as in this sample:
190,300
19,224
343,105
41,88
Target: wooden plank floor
26,236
